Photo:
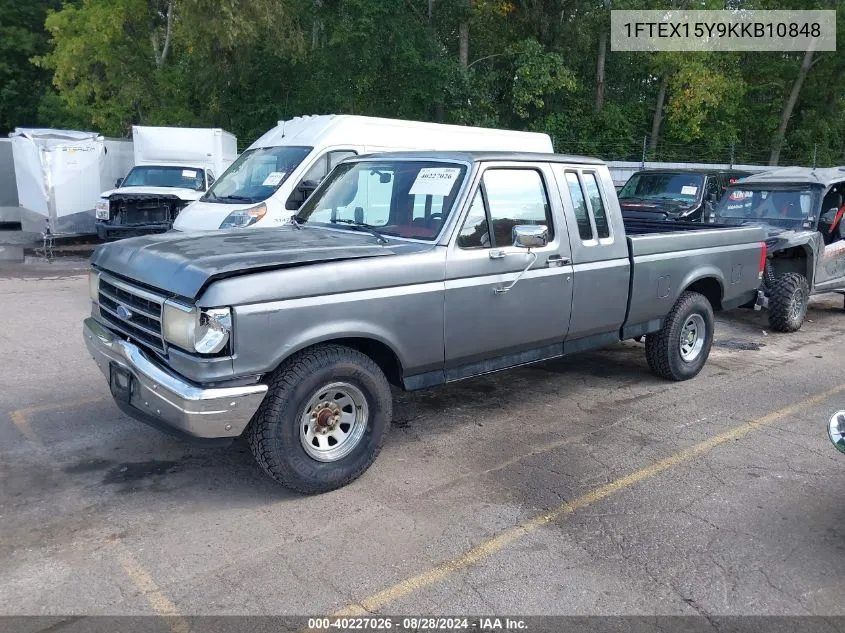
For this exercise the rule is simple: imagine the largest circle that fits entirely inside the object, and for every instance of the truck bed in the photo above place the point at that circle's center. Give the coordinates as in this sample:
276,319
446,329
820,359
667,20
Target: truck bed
667,257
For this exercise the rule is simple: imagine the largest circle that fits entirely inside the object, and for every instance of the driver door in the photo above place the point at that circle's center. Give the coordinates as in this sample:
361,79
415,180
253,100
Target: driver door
485,330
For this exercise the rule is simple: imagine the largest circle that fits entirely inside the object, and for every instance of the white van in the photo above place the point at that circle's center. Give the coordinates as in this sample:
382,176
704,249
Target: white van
272,178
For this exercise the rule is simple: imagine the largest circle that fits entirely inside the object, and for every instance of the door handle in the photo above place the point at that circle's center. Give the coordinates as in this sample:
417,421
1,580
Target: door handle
557,260
497,253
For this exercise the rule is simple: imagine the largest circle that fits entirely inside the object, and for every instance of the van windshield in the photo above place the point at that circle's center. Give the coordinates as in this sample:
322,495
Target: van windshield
400,198
159,176
256,174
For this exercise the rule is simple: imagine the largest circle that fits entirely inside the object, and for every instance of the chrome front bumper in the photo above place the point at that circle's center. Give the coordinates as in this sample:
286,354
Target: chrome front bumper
165,400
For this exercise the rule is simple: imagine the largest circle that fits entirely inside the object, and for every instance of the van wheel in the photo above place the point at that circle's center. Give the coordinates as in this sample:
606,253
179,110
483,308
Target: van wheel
323,421
789,297
681,347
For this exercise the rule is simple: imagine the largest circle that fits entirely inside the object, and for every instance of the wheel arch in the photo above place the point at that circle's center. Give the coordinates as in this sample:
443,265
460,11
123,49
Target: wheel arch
709,283
379,350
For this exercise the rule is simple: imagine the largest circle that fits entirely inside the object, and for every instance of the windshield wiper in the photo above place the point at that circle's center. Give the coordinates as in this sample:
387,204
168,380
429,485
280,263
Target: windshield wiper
235,198
361,226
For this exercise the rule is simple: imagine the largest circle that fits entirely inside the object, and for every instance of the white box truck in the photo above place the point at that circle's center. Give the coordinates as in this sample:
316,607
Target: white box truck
272,178
173,167
59,175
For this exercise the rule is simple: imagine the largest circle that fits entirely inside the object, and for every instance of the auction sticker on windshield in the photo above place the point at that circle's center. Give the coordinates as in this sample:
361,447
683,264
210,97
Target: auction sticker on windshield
189,173
434,181
688,190
273,178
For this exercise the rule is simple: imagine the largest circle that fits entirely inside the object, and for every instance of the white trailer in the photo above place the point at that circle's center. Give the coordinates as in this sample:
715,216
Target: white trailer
9,209
59,175
173,167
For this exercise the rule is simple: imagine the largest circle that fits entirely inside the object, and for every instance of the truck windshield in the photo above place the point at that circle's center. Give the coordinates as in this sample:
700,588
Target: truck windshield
256,174
789,207
159,176
410,199
681,187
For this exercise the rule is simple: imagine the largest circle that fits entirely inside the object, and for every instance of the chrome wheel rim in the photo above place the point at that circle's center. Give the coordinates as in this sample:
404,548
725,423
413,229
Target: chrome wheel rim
333,422
692,337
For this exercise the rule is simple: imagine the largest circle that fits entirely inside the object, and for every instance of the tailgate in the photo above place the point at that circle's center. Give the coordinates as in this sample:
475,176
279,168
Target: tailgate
722,263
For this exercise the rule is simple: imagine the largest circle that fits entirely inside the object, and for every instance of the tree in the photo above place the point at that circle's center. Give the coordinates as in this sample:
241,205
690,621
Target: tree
22,84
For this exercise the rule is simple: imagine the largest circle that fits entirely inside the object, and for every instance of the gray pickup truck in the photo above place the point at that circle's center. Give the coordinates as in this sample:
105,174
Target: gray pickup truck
411,270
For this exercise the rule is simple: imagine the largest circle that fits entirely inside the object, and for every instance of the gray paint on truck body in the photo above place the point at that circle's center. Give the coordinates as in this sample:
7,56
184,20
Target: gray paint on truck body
433,303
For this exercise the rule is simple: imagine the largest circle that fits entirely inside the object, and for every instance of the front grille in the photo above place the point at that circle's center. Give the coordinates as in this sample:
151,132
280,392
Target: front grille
141,309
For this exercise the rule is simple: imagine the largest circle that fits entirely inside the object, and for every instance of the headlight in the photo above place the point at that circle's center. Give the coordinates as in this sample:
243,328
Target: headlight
101,209
94,285
193,329
244,217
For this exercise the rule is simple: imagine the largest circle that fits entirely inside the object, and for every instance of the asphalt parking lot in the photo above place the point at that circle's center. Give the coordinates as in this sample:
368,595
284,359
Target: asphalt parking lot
580,487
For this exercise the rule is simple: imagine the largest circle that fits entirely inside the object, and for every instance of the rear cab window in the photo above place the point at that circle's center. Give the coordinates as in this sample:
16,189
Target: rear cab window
588,205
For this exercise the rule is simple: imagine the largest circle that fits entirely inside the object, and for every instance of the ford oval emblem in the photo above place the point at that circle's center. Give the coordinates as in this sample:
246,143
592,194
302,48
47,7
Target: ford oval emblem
123,312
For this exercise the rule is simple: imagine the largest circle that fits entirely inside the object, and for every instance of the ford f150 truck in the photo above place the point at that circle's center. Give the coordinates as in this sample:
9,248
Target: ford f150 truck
412,270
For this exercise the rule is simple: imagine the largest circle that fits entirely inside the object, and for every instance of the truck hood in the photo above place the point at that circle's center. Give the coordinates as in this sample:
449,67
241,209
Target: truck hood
184,263
183,194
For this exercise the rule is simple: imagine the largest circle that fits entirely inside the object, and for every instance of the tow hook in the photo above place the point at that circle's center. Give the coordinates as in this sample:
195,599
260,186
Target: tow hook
762,301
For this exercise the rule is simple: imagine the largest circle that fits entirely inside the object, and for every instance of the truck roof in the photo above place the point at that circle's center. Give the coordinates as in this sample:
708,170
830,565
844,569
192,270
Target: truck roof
825,176
469,157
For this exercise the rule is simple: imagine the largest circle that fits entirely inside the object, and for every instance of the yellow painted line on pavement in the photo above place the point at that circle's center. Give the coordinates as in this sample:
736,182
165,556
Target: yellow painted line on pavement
20,417
486,549
144,582
136,572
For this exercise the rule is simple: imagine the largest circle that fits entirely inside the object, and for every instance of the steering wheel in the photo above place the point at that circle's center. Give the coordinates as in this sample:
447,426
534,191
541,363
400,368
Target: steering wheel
434,217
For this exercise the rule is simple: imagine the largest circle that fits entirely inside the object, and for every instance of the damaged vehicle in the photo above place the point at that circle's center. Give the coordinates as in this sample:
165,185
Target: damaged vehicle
173,167
675,194
801,210
407,270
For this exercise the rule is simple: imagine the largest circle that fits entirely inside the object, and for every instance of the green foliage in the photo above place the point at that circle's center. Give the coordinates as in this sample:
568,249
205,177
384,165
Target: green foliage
244,64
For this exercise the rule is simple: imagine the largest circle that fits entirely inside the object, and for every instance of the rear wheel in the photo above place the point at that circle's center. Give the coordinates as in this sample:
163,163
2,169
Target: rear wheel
323,421
789,297
681,347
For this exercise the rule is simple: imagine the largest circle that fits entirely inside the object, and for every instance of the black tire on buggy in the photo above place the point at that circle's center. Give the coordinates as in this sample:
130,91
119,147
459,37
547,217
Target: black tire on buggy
788,300
323,421
680,349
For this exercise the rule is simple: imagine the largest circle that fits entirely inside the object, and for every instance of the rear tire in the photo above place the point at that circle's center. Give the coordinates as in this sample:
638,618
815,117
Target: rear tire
681,347
788,300
323,421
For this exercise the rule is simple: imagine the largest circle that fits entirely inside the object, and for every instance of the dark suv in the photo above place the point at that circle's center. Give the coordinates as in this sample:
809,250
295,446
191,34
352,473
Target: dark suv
675,194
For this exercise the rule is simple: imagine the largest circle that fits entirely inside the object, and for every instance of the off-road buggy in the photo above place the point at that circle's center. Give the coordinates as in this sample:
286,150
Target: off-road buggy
802,210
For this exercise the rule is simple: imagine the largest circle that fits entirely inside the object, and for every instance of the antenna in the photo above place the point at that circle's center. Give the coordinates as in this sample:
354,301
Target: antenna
283,128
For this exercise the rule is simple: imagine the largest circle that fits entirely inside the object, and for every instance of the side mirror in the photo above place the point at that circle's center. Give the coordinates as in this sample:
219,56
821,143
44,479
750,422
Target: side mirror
118,182
301,193
530,235
836,430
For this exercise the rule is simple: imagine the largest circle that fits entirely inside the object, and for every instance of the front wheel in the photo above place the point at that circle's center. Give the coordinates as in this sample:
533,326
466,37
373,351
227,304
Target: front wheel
323,421
681,347
789,297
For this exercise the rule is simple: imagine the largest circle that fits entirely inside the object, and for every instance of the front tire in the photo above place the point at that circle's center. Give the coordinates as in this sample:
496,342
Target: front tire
789,297
323,421
681,347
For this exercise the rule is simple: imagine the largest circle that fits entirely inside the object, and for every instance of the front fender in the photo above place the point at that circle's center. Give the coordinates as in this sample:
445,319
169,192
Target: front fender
410,324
